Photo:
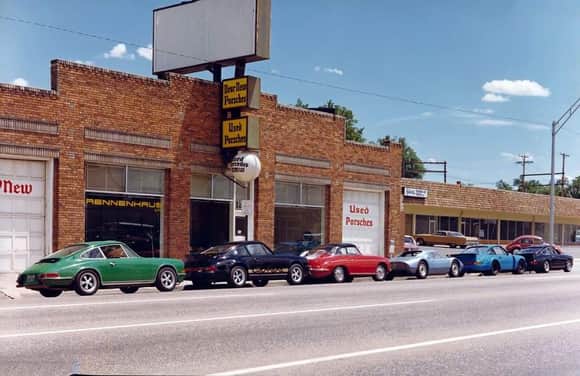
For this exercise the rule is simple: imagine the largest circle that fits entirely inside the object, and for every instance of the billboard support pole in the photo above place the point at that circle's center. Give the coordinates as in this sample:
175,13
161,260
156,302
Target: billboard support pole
240,69
216,69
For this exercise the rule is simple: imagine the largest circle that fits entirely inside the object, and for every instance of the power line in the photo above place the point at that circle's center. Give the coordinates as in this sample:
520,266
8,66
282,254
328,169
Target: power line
393,98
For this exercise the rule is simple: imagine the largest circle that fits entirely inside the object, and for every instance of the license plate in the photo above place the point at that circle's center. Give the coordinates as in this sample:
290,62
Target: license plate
30,278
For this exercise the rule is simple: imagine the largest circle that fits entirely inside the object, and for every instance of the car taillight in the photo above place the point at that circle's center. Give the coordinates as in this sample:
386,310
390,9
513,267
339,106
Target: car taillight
49,275
534,262
210,269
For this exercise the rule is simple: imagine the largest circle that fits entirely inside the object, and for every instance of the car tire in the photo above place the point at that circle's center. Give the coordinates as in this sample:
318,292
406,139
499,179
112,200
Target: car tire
295,274
390,277
380,273
86,283
520,268
546,267
422,270
50,293
568,266
494,269
420,241
463,246
238,276
166,279
452,245
454,270
129,289
260,282
339,274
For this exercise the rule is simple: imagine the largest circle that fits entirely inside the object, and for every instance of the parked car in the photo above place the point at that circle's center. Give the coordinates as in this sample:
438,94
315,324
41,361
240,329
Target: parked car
343,261
422,263
239,262
451,238
490,260
87,267
543,258
410,243
525,241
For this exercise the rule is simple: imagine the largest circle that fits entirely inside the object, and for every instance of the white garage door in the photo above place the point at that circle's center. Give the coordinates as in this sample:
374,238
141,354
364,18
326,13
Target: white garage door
22,213
362,224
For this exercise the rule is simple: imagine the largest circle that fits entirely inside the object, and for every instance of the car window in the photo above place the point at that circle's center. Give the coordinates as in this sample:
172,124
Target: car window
442,233
499,251
352,251
341,251
538,241
94,253
257,250
546,252
114,251
490,251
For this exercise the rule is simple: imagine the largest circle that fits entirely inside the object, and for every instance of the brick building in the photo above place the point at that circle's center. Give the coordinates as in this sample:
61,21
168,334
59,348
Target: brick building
108,154
491,215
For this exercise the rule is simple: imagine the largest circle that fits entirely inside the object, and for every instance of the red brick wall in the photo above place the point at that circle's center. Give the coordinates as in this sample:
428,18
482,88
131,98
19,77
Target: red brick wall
184,110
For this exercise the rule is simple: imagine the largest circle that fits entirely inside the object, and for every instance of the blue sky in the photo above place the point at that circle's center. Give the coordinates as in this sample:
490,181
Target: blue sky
523,55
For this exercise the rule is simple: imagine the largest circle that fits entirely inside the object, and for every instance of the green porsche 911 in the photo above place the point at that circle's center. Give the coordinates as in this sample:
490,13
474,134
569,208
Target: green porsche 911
86,267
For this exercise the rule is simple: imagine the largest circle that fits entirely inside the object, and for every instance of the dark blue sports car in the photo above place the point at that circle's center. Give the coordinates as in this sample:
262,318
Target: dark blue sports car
239,262
543,258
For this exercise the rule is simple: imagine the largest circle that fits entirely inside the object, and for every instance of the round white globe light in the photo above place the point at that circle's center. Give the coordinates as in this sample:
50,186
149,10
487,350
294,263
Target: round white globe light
246,166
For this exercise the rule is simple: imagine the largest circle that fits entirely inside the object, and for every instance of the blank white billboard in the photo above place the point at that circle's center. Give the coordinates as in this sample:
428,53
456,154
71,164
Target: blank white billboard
190,37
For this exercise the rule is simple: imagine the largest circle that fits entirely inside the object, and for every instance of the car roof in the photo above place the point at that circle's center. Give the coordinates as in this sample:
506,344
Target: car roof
244,242
529,237
337,245
99,243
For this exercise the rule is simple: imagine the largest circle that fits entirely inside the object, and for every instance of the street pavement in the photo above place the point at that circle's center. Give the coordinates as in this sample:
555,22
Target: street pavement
477,325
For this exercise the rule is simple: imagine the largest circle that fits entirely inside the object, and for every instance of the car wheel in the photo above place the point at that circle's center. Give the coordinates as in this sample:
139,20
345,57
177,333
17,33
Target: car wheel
86,283
520,268
260,282
454,270
339,274
568,266
453,245
295,274
166,279
380,273
129,289
494,268
420,241
422,270
463,246
390,277
49,293
238,276
546,267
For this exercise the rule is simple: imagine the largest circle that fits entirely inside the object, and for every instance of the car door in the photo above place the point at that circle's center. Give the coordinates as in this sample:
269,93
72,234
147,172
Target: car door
359,263
258,263
506,261
559,260
118,267
438,264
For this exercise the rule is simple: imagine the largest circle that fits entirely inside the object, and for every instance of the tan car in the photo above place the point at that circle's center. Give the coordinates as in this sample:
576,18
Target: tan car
451,238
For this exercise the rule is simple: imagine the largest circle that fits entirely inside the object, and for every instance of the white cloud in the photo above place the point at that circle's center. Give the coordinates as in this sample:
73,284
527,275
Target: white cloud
275,71
524,88
337,71
400,119
516,157
85,62
483,110
20,82
494,98
146,52
431,160
507,123
119,52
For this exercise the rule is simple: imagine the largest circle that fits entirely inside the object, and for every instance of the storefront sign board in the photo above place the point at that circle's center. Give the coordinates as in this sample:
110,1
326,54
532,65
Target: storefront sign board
242,92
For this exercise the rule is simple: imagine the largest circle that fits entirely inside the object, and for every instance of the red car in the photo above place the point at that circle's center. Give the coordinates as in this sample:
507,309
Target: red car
525,241
343,261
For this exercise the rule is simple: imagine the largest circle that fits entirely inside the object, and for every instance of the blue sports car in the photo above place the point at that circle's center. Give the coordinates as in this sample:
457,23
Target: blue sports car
490,260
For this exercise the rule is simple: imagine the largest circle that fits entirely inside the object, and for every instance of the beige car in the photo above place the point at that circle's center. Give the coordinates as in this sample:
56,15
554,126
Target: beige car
451,238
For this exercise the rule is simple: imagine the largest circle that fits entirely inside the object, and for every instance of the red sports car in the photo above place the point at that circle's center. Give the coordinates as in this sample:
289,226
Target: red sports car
343,261
525,241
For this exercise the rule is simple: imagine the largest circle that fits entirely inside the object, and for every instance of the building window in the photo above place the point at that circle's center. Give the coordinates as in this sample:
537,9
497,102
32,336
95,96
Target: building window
125,203
512,229
298,216
485,229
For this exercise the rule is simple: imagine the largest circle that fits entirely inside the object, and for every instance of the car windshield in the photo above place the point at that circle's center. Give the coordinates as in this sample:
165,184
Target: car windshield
217,250
410,253
408,239
67,251
474,250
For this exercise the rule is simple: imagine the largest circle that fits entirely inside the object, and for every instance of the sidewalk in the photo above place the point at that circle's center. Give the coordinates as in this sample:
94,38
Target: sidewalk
8,288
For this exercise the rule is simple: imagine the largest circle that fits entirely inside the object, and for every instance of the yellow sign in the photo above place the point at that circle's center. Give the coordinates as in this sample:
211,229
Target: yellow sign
235,133
241,92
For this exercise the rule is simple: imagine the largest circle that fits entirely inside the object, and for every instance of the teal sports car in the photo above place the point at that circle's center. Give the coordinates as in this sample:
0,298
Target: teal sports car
87,267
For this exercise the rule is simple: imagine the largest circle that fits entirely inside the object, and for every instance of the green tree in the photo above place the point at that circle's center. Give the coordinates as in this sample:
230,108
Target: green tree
531,186
301,104
575,187
504,185
412,166
353,132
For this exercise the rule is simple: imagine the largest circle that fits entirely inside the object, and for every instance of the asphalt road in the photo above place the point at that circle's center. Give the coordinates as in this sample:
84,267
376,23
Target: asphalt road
509,324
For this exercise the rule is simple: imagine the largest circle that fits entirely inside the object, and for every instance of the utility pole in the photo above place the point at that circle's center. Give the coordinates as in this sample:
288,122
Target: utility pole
563,180
525,160
556,127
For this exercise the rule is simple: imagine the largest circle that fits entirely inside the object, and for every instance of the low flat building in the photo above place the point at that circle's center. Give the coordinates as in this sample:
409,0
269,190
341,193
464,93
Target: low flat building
492,215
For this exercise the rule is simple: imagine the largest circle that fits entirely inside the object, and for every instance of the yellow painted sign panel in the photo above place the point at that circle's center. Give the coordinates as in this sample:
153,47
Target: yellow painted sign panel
235,133
240,93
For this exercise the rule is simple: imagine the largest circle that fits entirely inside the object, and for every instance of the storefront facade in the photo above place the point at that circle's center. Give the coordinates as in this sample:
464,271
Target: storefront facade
113,155
493,216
